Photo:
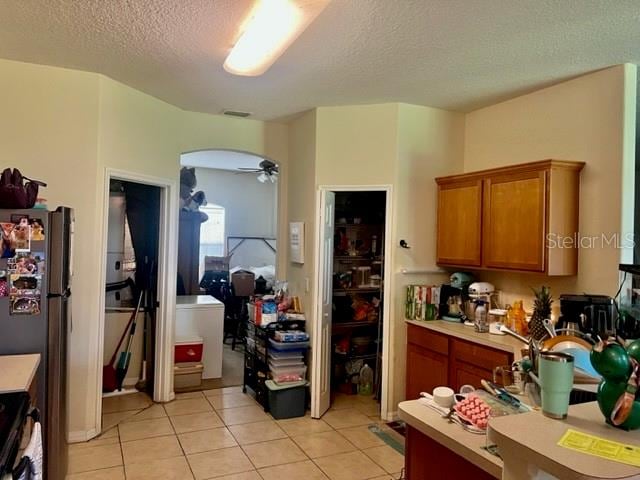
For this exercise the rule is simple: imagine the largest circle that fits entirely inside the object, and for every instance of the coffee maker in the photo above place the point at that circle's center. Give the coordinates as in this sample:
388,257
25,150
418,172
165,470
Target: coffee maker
451,306
454,297
594,315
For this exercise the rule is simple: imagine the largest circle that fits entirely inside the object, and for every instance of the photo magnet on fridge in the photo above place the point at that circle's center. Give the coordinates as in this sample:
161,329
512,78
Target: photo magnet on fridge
26,263
4,284
24,305
37,230
21,236
25,285
16,218
7,230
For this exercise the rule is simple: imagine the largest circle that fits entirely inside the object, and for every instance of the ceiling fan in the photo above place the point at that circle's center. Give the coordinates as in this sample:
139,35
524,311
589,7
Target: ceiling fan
266,168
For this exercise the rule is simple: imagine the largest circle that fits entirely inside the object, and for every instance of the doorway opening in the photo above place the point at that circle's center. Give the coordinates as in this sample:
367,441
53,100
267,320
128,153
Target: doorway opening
227,246
131,291
353,306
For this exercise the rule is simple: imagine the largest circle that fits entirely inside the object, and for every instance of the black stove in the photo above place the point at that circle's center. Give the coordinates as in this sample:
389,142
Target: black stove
14,408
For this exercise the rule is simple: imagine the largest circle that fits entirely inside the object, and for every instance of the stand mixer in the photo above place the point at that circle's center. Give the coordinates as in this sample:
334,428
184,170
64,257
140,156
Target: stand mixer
484,291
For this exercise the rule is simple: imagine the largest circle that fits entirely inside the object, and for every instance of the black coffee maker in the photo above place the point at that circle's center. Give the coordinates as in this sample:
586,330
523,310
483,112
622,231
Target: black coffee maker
452,303
595,315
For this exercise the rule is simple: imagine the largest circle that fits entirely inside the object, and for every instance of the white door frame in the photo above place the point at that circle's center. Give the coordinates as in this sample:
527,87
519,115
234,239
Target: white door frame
316,361
167,271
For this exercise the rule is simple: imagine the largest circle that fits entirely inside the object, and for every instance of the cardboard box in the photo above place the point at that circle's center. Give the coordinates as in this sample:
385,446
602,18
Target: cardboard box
244,283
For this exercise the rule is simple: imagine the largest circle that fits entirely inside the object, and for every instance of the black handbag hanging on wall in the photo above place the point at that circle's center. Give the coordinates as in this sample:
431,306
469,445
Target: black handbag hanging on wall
15,193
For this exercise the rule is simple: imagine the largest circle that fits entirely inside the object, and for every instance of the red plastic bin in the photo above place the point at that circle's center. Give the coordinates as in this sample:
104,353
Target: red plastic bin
188,349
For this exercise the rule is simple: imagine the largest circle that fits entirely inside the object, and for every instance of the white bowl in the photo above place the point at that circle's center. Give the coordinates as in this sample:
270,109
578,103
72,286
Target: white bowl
443,396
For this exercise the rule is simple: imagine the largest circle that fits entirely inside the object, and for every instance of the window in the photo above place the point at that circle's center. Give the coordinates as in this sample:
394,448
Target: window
211,234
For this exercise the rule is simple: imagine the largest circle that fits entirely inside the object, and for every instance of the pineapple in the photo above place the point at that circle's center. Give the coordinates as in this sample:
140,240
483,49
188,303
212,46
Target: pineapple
541,310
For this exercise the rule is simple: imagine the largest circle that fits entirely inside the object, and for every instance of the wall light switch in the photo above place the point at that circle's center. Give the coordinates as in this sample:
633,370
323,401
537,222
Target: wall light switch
307,285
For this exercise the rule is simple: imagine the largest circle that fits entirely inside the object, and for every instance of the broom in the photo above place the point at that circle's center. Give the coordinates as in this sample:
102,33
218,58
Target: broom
125,357
109,375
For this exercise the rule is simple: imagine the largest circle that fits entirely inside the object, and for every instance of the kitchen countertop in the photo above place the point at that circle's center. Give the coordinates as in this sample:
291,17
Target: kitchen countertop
528,443
529,440
18,372
197,301
450,435
506,343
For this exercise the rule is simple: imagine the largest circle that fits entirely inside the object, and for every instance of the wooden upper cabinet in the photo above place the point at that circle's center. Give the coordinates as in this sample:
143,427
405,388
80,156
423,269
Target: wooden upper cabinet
515,221
528,218
460,222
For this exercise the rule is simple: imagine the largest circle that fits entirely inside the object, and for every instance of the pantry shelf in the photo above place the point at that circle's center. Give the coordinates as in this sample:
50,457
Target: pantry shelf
357,290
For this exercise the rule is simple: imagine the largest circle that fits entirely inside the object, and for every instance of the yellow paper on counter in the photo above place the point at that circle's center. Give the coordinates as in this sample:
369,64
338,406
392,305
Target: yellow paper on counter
601,447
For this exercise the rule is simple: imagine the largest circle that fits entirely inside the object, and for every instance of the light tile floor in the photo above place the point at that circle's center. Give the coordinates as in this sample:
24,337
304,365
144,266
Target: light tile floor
225,434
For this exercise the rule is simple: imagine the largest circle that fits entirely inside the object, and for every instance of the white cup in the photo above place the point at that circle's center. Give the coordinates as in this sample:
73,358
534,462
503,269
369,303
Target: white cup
443,396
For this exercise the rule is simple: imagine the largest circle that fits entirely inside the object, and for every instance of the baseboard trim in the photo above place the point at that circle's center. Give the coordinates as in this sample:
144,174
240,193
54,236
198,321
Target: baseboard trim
391,416
82,436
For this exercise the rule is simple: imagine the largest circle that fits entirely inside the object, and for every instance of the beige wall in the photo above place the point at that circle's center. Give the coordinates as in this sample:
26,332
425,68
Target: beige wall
356,145
65,127
49,130
301,205
403,146
430,144
582,119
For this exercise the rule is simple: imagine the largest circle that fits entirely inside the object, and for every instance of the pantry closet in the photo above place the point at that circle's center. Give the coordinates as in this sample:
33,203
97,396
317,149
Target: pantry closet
357,320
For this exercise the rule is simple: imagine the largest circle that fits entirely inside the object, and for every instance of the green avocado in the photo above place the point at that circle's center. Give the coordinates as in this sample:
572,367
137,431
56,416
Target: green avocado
608,394
612,362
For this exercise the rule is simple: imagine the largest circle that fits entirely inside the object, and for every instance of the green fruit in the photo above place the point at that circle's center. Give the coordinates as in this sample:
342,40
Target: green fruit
634,350
608,394
612,362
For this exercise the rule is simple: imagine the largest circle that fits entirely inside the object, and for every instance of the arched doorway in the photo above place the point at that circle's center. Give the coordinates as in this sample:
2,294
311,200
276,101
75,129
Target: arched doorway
228,231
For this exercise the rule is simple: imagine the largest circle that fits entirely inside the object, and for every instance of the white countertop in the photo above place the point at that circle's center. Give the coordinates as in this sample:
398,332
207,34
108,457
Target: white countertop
18,372
197,301
530,439
450,435
505,343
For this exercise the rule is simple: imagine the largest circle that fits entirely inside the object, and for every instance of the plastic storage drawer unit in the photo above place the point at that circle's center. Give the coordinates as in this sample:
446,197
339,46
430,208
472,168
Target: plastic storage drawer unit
286,401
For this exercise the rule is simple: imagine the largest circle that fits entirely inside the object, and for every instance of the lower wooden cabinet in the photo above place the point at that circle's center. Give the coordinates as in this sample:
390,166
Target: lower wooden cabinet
426,370
425,459
466,374
434,359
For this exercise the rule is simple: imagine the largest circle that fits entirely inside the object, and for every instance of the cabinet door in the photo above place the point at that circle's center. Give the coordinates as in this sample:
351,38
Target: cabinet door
425,458
467,374
426,370
459,223
515,221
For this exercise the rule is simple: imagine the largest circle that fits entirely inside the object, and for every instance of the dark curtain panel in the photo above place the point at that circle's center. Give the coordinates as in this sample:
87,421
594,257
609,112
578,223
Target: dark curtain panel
143,214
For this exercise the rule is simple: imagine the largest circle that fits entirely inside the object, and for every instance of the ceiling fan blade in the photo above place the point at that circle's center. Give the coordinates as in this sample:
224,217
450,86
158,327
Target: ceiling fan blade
246,169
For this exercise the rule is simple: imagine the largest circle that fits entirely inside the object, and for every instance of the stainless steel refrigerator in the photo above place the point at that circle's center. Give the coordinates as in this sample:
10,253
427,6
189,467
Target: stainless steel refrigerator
35,313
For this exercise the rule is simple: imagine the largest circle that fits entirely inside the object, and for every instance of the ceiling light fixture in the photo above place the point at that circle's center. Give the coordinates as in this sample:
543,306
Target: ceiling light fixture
271,28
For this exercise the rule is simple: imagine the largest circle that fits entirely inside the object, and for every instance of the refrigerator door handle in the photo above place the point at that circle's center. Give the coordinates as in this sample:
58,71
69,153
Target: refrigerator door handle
65,294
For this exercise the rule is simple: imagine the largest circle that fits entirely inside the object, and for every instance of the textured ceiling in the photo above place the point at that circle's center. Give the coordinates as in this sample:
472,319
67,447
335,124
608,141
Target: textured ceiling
220,159
453,54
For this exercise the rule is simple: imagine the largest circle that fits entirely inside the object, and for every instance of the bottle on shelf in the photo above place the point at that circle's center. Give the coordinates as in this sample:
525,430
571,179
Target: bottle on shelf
365,381
511,322
520,318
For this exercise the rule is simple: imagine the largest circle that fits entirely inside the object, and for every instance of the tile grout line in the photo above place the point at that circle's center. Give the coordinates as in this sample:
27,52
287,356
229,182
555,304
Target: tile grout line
184,454
124,468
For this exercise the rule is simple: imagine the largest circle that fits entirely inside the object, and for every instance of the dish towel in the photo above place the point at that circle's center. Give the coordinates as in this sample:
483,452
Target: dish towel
30,466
